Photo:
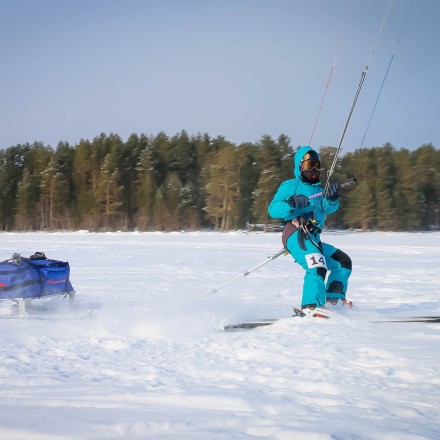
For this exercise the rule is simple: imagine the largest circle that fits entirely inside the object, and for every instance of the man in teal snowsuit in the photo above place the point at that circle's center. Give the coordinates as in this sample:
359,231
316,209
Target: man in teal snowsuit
303,220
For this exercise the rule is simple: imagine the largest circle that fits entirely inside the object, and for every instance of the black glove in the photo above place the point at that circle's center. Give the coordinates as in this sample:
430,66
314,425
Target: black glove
298,201
333,191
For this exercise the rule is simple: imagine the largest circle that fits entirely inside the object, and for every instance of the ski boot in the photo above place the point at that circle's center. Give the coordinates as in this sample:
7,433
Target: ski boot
340,303
312,310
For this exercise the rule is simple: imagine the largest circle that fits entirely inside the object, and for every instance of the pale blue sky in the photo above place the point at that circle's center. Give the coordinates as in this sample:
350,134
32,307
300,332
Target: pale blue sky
236,68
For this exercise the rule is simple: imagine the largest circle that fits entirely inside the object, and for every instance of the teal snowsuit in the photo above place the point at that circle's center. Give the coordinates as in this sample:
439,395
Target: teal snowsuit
318,259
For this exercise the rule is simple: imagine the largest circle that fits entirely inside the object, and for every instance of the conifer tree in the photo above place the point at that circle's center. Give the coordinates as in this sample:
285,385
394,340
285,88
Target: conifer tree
425,170
183,157
145,190
405,193
249,174
162,152
166,205
24,204
100,147
222,188
129,153
269,158
184,164
172,190
342,169
358,207
64,200
160,210
109,195
385,181
359,213
203,146
86,210
206,148
189,211
48,198
54,204
36,161
286,153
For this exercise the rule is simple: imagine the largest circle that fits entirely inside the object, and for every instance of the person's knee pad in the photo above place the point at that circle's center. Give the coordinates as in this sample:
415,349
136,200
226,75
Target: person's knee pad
321,272
343,259
335,287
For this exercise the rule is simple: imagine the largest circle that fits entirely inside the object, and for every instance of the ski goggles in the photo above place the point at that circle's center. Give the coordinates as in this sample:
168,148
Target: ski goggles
310,161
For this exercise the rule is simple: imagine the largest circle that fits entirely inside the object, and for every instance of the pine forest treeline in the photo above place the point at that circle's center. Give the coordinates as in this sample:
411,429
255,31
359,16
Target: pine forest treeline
192,182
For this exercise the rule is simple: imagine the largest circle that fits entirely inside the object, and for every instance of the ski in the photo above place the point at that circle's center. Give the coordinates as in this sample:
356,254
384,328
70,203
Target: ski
249,325
425,319
50,317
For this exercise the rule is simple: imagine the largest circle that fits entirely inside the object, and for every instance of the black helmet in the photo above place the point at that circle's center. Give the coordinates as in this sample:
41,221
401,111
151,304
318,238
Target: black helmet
310,161
310,167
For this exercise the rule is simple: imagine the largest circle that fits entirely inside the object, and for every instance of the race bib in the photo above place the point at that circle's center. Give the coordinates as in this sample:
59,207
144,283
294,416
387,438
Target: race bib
315,260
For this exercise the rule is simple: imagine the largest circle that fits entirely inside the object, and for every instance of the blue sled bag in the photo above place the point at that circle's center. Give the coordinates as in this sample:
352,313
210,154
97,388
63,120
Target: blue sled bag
19,279
54,276
34,277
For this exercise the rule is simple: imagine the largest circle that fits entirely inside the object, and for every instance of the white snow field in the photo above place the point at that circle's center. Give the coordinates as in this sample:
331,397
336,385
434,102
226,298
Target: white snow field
152,361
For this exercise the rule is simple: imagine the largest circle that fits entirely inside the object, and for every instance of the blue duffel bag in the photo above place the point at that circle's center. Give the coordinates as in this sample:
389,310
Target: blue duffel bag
34,277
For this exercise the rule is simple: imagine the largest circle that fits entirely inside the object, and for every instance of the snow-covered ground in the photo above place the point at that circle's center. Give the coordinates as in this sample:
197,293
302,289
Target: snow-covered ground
153,363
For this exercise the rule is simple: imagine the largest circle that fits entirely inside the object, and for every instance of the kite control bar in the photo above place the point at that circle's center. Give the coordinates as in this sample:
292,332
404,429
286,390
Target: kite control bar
343,185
